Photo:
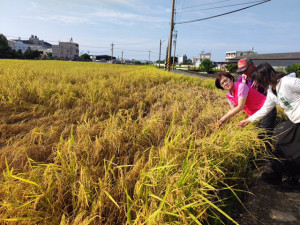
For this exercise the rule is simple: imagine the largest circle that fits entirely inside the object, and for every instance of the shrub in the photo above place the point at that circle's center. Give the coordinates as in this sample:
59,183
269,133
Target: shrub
206,66
232,67
294,68
219,70
280,70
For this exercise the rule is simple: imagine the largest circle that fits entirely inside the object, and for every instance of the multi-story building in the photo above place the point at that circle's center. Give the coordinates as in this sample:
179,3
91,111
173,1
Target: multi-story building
182,58
233,54
33,43
65,50
197,60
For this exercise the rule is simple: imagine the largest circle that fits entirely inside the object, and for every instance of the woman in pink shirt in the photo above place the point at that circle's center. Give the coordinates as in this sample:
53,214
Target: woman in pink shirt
241,97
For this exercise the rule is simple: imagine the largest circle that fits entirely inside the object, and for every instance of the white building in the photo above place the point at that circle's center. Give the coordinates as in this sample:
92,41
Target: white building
18,45
197,60
182,58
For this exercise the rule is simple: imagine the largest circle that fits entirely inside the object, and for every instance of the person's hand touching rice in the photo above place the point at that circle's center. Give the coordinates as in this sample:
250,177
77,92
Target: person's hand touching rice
222,121
244,123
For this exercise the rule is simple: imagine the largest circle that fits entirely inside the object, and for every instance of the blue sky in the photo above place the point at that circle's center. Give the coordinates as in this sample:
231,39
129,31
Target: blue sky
136,27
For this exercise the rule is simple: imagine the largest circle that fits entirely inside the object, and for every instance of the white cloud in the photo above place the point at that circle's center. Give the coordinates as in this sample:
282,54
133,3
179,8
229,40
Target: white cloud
32,6
114,15
64,19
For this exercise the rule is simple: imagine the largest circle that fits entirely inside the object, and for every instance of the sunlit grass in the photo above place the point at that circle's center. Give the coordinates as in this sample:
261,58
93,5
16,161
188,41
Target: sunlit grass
85,143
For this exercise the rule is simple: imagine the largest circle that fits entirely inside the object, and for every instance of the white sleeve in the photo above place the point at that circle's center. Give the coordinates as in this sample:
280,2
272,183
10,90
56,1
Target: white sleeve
264,110
291,75
294,85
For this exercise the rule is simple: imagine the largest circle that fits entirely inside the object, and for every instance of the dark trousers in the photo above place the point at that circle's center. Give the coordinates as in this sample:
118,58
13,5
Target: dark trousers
287,149
268,124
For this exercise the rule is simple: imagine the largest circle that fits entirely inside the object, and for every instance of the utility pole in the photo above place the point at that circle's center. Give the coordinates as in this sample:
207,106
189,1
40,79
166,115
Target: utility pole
175,41
112,52
166,60
122,58
170,36
160,43
149,57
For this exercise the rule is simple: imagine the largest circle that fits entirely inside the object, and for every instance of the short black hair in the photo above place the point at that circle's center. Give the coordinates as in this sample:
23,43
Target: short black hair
218,79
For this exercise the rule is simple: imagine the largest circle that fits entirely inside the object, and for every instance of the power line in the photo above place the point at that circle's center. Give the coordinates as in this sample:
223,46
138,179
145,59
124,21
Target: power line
92,46
206,18
100,52
206,4
181,9
131,50
176,6
131,43
218,7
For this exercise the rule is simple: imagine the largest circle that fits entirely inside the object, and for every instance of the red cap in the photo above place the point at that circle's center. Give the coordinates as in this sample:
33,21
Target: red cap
243,64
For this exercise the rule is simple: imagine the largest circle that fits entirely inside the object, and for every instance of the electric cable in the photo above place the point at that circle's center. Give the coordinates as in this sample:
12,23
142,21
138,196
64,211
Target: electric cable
92,46
206,18
218,7
181,9
206,4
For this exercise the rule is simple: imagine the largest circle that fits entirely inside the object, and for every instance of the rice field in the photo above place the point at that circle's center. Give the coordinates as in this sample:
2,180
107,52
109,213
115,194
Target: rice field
89,143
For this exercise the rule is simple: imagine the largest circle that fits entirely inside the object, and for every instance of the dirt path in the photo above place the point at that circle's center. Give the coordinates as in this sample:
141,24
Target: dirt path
270,204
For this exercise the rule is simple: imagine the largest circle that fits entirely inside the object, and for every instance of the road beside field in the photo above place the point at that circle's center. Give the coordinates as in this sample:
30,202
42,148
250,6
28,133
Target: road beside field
194,73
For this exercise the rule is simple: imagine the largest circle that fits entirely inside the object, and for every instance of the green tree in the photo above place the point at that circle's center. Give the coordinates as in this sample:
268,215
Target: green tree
232,67
206,66
85,57
187,62
49,55
20,54
172,58
293,68
32,54
12,54
137,63
5,50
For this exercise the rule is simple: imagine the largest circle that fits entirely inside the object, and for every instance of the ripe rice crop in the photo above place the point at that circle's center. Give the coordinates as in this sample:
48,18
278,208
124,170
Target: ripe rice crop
89,143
